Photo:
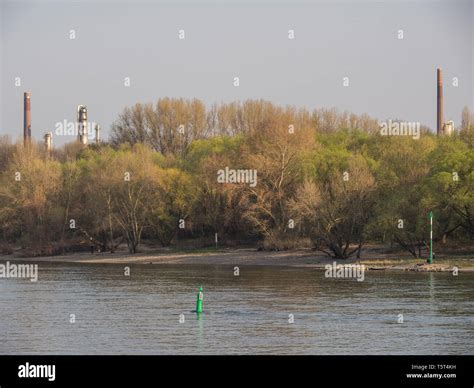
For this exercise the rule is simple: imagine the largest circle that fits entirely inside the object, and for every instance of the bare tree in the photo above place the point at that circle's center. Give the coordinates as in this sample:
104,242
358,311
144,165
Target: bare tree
336,212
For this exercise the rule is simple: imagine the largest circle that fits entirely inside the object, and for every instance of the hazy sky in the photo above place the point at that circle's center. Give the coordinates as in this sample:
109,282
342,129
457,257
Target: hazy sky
388,77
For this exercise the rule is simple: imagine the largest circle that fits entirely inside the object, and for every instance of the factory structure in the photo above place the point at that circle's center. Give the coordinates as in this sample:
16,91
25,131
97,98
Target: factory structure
27,118
82,126
442,127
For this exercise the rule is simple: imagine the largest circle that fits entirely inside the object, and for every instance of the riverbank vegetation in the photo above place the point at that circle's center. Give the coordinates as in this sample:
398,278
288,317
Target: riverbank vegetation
325,177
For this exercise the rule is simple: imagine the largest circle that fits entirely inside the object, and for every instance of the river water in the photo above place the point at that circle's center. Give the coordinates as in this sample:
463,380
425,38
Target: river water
245,314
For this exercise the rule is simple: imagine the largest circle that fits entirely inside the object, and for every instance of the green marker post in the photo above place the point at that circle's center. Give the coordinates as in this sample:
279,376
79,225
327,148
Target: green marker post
200,297
430,260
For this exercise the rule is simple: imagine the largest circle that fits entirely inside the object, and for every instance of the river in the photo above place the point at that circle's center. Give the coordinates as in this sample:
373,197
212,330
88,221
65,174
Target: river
96,309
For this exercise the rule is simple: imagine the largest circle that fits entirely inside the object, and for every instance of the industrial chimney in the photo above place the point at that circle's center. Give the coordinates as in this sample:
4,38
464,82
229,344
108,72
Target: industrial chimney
440,113
448,128
82,124
97,134
27,118
48,142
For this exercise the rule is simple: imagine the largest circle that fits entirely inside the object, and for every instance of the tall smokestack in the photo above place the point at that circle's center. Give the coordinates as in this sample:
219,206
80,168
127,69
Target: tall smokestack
82,124
97,134
48,143
26,117
440,113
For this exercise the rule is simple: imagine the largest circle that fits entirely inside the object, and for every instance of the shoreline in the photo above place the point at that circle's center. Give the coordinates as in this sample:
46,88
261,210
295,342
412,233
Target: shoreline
242,257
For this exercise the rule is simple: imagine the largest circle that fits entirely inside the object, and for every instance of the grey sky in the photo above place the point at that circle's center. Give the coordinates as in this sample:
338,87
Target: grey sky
388,77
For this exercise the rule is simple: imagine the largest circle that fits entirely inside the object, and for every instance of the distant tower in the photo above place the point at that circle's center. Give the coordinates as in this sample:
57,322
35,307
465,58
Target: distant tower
27,118
440,113
82,124
97,134
448,128
48,142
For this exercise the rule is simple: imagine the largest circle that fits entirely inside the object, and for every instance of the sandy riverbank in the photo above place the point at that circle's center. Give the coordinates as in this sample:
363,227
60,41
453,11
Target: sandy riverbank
296,258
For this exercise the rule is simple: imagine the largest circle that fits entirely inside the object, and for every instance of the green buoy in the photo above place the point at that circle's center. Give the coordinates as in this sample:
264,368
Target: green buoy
200,297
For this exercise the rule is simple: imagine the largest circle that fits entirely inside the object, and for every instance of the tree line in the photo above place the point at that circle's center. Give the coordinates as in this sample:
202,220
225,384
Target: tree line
325,177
